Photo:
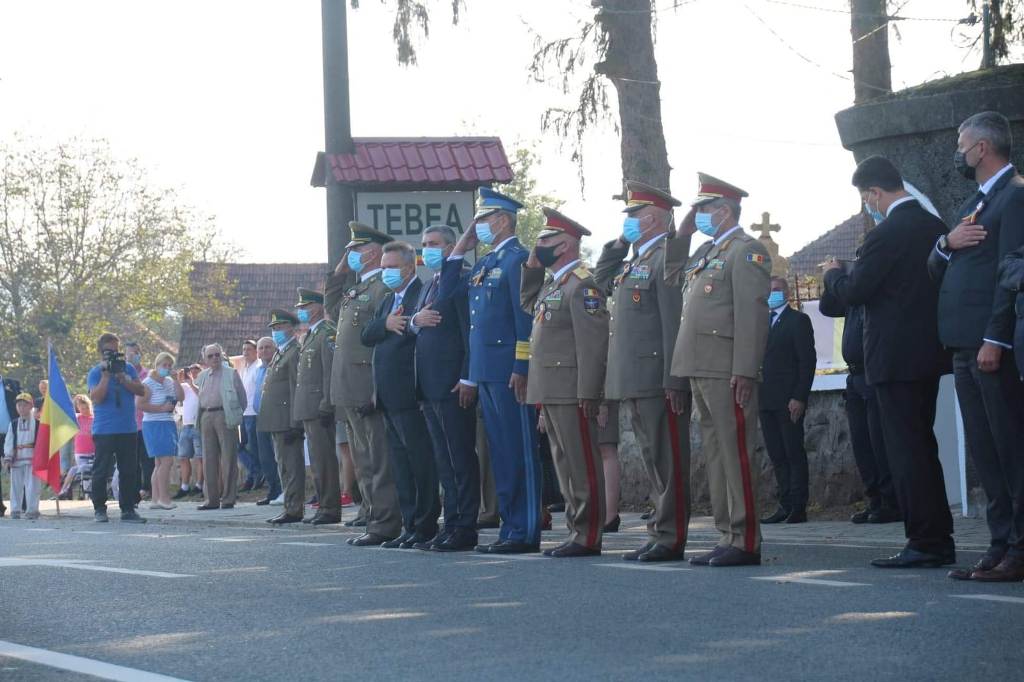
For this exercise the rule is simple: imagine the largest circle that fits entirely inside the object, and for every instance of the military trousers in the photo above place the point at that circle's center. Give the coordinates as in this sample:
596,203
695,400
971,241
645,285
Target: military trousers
728,433
220,458
574,449
368,441
511,434
664,440
488,491
324,465
291,467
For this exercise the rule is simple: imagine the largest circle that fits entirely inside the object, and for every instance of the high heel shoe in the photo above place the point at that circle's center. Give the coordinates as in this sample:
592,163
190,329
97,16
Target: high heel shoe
613,525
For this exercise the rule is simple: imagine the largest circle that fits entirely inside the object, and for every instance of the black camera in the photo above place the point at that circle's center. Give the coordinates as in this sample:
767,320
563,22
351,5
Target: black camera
114,362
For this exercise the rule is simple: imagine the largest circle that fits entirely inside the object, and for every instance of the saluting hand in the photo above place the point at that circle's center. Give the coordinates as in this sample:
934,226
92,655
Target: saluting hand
467,242
342,266
742,388
689,225
533,261
965,235
396,322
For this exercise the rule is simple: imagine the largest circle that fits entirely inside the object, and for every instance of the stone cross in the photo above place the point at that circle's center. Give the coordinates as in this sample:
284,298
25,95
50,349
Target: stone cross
765,226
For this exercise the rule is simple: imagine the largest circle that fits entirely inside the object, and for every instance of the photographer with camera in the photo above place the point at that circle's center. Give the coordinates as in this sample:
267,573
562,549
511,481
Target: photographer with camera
113,386
162,394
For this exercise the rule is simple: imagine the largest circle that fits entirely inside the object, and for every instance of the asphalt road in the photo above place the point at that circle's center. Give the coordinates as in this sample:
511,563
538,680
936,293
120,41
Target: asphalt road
202,601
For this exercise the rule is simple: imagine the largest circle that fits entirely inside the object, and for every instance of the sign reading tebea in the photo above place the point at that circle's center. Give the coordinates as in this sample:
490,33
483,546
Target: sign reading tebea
404,215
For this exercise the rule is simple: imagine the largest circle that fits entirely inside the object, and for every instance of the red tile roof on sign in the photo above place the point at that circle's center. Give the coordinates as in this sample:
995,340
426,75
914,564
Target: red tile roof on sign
422,162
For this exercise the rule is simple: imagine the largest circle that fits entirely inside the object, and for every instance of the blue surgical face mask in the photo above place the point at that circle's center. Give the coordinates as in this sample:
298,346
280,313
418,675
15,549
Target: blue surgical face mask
875,214
280,337
631,231
355,261
163,371
483,233
705,223
392,278
776,299
433,257
303,315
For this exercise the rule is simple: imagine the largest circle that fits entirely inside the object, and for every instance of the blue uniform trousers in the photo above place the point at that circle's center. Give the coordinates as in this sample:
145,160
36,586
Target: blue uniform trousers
511,435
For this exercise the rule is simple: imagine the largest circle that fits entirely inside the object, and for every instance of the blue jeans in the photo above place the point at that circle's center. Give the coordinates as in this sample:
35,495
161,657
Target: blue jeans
268,464
249,450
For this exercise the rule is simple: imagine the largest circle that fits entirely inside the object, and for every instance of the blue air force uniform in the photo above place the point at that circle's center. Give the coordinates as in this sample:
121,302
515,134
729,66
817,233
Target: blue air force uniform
499,345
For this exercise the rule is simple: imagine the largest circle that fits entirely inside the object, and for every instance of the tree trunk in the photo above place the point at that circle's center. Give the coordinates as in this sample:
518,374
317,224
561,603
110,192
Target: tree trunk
872,71
630,65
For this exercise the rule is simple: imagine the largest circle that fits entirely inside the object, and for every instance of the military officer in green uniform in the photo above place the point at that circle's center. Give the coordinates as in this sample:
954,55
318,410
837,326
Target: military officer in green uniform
313,406
276,417
644,318
723,332
353,293
568,352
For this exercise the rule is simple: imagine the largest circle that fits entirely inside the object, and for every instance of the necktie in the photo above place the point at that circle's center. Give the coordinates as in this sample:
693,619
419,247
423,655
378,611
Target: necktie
432,292
771,319
397,303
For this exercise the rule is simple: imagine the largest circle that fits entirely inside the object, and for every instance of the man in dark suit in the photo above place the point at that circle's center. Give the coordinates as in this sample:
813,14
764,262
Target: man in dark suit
976,320
8,414
864,418
788,370
442,360
394,383
904,359
1011,278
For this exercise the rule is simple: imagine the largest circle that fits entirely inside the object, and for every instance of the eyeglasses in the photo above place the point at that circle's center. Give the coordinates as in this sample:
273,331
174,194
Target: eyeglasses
212,355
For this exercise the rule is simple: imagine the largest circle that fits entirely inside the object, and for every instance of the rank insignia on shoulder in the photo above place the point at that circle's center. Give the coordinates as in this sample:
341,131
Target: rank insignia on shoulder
581,272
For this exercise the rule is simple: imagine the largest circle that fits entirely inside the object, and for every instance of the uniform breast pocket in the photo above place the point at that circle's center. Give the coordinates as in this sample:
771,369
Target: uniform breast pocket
491,287
638,290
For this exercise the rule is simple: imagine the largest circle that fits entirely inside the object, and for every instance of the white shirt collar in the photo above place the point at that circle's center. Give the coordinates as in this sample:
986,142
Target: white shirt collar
401,294
286,343
367,275
719,240
896,203
564,269
647,247
990,183
503,243
313,327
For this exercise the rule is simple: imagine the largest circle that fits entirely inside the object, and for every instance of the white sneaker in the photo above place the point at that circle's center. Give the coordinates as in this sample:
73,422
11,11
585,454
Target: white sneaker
170,505
278,501
154,505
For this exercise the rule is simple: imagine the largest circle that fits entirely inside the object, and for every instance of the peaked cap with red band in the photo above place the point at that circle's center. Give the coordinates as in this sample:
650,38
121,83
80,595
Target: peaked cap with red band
711,188
639,194
558,223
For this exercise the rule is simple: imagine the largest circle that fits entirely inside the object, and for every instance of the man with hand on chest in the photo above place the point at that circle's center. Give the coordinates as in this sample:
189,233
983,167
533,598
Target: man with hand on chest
568,352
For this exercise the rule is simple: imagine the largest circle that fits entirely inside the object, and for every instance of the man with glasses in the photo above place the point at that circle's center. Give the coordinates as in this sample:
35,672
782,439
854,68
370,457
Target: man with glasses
221,403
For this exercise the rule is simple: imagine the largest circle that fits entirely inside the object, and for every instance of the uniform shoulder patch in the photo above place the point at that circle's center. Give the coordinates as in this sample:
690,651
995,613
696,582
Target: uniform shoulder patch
593,301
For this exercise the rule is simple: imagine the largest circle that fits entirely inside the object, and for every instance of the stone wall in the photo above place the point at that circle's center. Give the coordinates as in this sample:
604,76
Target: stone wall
834,481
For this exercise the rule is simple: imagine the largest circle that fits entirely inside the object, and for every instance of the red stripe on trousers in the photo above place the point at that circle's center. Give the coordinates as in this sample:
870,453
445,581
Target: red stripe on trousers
588,455
748,491
677,477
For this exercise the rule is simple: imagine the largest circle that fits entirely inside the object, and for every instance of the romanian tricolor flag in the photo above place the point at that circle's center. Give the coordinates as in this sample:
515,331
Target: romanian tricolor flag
57,425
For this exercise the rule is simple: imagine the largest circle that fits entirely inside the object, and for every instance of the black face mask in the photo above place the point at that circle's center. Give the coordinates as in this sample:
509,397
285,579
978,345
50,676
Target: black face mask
546,255
960,163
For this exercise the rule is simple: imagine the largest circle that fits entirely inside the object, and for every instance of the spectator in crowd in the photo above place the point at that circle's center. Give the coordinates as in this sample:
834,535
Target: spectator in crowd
37,403
133,354
8,413
222,400
976,321
608,444
265,350
112,389
249,448
190,445
864,417
394,383
442,359
83,446
903,357
18,446
161,394
788,370
1011,278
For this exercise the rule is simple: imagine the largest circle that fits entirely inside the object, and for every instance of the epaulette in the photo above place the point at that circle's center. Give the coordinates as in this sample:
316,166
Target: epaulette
582,272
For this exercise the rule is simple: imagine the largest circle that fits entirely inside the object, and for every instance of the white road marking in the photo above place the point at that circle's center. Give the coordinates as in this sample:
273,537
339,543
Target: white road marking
83,565
229,539
810,581
94,532
990,597
308,544
155,535
77,664
38,530
646,567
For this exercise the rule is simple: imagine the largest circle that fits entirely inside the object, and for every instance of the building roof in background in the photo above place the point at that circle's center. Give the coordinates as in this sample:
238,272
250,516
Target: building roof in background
421,162
842,241
259,287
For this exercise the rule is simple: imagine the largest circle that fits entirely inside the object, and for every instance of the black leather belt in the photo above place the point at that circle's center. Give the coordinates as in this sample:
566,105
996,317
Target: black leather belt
211,409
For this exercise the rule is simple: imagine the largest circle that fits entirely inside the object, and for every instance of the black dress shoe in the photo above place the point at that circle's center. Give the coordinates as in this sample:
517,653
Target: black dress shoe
986,563
571,550
912,558
427,545
356,523
635,554
734,556
206,507
885,515
311,519
484,525
705,558
459,541
396,543
512,547
369,540
264,502
325,520
662,553
550,550
417,539
557,507
797,516
861,517
613,525
227,505
284,518
779,516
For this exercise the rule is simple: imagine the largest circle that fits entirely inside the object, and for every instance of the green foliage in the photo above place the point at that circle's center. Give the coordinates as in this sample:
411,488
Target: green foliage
412,17
1007,18
88,245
